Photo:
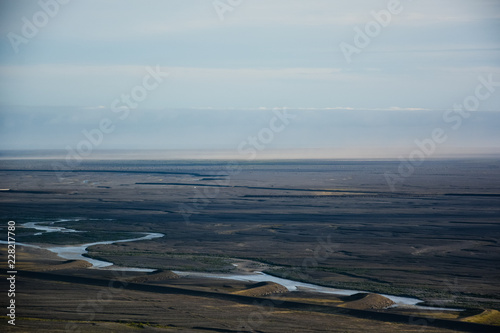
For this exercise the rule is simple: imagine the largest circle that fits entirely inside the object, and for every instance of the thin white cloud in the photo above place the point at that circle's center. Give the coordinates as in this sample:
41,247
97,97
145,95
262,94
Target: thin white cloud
463,70
187,73
183,73
123,20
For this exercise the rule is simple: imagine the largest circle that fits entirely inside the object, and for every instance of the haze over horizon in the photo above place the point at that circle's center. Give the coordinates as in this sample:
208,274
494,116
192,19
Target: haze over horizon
211,78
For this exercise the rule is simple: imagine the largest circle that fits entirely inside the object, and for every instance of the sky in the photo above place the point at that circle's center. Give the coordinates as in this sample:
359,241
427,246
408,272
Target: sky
204,74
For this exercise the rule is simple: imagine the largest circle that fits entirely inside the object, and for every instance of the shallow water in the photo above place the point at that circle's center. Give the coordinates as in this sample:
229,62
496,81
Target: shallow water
44,228
293,285
75,252
302,286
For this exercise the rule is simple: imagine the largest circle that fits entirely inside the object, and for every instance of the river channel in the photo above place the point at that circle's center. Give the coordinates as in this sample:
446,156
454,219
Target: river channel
76,252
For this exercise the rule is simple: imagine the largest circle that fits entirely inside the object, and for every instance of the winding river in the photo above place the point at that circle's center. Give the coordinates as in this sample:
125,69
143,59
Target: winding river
76,252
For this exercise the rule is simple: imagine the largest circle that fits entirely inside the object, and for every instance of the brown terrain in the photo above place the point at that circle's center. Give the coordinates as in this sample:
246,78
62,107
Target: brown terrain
331,223
363,301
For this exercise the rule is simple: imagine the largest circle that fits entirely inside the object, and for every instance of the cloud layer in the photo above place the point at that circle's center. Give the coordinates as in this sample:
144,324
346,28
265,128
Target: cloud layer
263,54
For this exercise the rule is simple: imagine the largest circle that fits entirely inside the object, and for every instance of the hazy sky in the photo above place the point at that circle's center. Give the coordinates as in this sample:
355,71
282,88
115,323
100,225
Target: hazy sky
65,67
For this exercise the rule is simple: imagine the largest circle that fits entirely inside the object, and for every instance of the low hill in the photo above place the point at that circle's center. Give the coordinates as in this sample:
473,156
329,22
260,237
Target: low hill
69,264
488,317
263,289
365,301
155,277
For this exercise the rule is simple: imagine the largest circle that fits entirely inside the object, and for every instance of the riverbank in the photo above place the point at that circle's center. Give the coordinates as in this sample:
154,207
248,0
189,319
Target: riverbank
246,267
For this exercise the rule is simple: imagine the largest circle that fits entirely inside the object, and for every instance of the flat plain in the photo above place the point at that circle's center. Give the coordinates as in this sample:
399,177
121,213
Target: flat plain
333,223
